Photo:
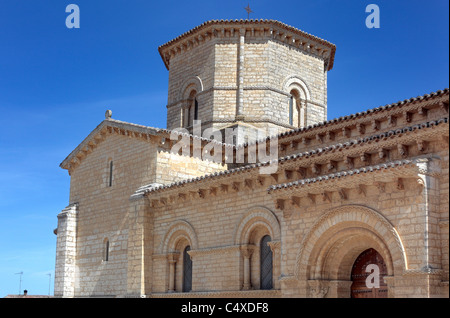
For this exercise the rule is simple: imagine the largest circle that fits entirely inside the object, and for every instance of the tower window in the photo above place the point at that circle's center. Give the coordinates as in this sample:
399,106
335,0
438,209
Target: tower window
196,109
291,110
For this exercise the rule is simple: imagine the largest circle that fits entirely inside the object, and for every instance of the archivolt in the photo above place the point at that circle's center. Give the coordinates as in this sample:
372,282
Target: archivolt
192,81
257,216
341,228
178,230
297,81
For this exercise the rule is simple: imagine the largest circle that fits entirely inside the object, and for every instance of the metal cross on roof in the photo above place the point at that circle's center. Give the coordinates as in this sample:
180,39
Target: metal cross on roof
248,11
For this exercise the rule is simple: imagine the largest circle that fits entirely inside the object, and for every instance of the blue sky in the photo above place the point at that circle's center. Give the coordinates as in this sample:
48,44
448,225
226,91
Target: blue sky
56,84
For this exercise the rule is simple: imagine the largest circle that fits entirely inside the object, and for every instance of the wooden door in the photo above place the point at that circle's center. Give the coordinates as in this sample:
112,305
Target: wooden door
367,276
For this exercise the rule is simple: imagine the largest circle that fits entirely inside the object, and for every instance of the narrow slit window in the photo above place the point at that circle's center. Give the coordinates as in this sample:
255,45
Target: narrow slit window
291,110
106,251
110,173
196,110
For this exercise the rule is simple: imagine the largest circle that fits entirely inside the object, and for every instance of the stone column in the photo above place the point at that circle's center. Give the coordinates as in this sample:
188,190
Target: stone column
247,252
240,78
66,242
276,262
429,170
173,259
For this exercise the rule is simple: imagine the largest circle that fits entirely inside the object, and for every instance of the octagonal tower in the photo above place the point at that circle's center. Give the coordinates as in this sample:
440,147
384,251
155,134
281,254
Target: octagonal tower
247,74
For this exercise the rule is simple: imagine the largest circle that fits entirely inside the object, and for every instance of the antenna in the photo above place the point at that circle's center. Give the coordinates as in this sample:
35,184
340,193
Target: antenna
20,281
49,282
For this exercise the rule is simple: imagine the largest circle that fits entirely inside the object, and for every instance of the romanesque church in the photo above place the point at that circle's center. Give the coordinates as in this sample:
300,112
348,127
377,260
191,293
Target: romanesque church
267,197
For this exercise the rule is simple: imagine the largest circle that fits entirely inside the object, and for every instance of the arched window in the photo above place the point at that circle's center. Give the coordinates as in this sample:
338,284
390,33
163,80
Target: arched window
192,109
295,110
187,270
266,266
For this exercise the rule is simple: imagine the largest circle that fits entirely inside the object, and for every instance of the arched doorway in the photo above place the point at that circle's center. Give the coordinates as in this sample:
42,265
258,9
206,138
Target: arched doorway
367,276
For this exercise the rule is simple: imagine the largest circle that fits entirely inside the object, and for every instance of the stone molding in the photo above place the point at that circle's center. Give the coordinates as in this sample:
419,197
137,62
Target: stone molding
177,230
351,213
327,157
253,217
234,29
221,294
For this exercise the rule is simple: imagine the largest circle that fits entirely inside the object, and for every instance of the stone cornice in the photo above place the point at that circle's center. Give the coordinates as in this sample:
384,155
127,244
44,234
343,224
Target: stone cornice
160,137
362,122
270,29
221,294
386,172
289,167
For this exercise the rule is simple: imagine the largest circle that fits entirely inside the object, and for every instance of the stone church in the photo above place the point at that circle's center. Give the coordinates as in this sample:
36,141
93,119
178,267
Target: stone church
289,204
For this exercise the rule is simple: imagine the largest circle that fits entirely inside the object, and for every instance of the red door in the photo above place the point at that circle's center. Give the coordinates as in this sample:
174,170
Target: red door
367,276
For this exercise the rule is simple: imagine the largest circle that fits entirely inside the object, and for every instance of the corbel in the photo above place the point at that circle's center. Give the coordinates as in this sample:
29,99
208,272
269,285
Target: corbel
382,153
360,128
301,173
420,185
305,141
295,201
224,188
400,184
365,157
311,198
288,174
421,145
194,194
443,106
182,196
319,138
381,186
346,132
348,161
163,201
362,189
274,176
407,116
315,168
213,191
248,183
329,136
235,186
261,180
402,150
326,196
375,124
172,199
294,144
343,194
279,204
154,203
201,193
392,120
422,111
331,165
